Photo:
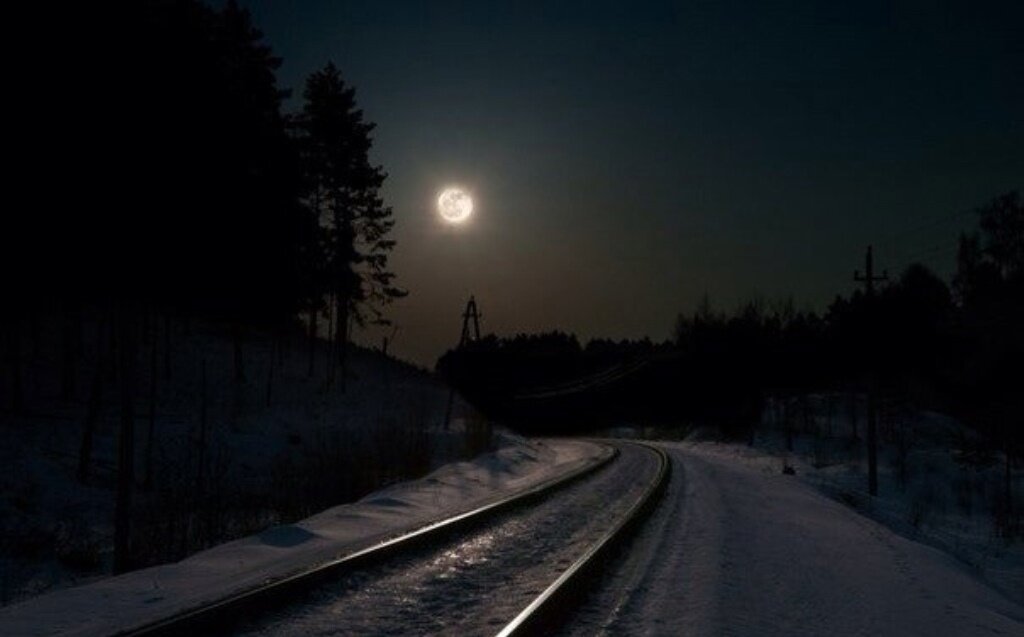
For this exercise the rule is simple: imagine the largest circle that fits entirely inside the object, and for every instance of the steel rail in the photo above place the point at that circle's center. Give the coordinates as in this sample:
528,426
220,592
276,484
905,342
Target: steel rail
226,610
549,610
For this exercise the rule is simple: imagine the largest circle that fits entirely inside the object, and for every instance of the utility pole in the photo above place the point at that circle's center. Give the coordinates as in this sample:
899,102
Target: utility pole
470,314
869,279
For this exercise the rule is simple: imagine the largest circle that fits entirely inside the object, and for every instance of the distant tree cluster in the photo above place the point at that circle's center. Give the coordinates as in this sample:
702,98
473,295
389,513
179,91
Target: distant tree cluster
957,347
525,359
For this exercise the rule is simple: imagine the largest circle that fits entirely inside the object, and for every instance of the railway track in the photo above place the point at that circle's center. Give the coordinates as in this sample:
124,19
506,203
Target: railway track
506,568
552,607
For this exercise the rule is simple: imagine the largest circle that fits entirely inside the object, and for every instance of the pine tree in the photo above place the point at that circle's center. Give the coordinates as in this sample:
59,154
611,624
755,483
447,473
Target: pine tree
343,194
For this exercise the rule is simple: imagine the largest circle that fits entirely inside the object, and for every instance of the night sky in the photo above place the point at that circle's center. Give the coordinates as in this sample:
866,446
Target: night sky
625,158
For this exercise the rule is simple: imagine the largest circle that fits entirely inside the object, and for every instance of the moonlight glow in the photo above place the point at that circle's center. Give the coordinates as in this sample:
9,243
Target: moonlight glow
455,205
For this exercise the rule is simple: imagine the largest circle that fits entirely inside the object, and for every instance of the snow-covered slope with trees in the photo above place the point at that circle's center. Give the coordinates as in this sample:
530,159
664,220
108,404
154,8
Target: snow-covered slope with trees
225,445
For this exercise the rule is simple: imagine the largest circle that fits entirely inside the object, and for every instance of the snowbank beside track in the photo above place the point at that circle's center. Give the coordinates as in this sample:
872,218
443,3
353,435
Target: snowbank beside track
144,596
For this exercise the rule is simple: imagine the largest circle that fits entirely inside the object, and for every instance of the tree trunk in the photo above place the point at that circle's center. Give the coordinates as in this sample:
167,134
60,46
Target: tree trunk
270,371
14,350
342,327
144,330
126,446
92,416
788,421
148,481
201,489
68,350
34,320
1009,484
112,335
167,346
343,253
853,413
201,477
236,337
100,332
312,339
332,341
831,412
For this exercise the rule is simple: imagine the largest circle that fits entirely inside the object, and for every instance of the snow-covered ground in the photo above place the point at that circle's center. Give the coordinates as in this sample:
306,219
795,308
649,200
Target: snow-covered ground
277,445
922,510
739,548
144,596
939,483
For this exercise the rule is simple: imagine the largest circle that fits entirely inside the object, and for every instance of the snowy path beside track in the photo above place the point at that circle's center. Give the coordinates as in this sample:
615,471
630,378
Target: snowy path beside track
734,551
482,580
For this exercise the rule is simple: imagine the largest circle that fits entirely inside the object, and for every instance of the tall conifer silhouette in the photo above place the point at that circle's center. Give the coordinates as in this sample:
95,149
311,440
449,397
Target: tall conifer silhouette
343,194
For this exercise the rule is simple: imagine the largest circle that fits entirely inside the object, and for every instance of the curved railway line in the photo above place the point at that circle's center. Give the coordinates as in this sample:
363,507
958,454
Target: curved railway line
517,566
551,608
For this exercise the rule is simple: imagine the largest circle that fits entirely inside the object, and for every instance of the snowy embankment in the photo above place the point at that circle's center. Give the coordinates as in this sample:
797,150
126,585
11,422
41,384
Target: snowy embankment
144,596
739,548
921,510
227,440
940,482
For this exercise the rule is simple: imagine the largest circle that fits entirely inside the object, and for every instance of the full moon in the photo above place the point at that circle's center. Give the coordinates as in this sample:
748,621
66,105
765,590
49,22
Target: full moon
454,205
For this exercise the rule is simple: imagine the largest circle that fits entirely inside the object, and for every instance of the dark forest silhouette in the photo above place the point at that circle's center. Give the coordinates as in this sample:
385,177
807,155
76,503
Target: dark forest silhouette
211,201
183,195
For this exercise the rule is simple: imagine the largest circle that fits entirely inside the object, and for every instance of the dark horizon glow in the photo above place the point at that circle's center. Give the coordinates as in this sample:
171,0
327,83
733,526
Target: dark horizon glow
625,160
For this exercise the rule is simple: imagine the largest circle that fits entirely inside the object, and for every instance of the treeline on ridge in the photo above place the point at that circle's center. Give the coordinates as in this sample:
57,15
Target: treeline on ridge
954,347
